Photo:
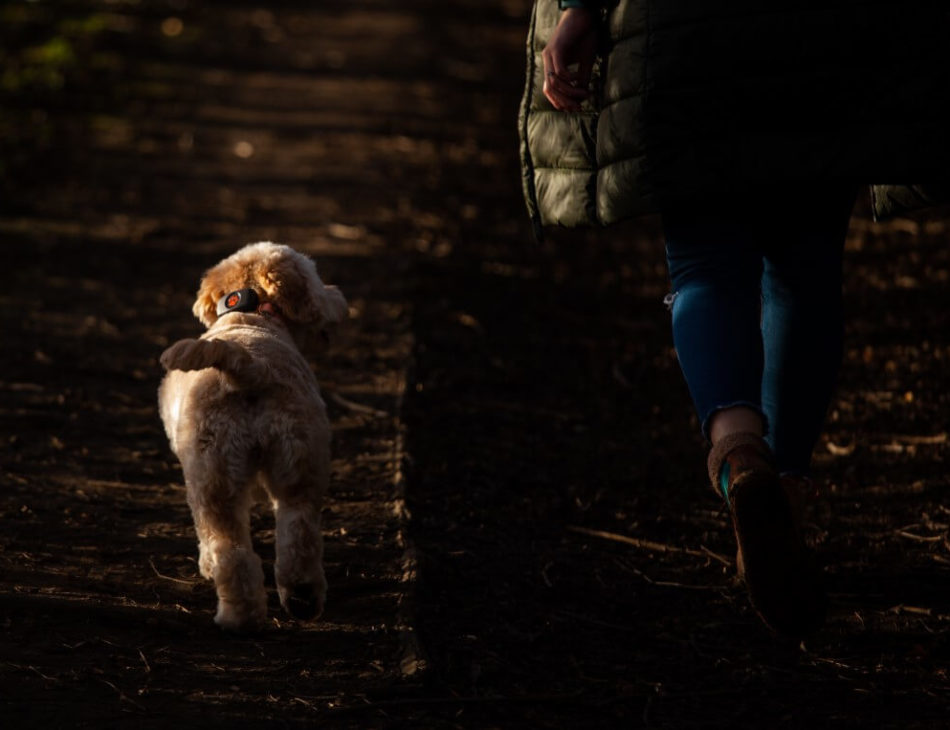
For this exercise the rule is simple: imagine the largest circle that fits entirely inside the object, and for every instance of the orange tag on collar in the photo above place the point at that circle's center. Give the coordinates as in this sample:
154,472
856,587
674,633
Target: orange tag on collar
242,300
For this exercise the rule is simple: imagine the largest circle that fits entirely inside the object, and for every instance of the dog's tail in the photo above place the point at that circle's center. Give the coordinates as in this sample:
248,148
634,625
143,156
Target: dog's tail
223,355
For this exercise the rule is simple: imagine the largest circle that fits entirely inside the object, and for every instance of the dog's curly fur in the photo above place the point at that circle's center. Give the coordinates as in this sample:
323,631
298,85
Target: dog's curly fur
243,413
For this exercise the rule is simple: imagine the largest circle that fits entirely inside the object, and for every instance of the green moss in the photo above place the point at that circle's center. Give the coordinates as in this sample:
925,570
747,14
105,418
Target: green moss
46,66
90,25
55,53
38,67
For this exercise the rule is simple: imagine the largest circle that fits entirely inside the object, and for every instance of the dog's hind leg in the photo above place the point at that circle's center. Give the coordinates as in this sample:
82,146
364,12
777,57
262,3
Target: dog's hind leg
222,521
296,476
298,571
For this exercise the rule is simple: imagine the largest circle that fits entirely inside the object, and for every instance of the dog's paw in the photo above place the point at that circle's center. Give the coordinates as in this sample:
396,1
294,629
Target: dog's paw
241,618
303,601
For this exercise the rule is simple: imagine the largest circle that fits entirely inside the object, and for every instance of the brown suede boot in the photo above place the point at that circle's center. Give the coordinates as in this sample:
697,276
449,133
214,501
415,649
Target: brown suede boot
800,491
784,583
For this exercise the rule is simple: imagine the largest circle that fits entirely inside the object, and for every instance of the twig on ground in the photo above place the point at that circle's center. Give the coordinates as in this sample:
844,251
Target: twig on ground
122,696
671,583
34,670
311,702
716,556
915,610
834,663
920,538
355,407
649,544
168,577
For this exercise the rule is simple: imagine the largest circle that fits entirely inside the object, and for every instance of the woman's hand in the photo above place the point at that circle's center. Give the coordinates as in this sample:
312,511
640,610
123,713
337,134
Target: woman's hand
574,42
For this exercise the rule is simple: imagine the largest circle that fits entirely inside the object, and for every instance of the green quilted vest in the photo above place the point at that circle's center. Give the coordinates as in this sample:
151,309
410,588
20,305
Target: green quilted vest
693,96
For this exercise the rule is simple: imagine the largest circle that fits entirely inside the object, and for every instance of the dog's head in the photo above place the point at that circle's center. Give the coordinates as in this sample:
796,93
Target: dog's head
281,277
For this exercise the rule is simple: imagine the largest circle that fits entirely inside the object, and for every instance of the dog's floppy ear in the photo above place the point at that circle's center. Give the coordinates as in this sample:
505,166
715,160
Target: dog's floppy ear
297,289
209,291
332,305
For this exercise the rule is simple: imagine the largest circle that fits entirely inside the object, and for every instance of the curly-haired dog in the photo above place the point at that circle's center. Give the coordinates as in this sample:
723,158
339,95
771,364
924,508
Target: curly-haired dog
243,412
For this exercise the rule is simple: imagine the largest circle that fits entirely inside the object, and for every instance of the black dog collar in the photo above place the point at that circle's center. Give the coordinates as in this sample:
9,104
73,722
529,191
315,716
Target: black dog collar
242,300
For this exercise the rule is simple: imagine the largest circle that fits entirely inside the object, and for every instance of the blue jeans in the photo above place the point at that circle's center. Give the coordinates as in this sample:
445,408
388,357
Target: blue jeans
756,307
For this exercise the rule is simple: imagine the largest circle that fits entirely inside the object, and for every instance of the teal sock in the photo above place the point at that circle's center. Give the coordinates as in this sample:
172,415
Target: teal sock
724,481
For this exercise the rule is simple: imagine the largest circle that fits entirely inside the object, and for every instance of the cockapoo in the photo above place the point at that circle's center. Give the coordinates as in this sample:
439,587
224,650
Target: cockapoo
243,413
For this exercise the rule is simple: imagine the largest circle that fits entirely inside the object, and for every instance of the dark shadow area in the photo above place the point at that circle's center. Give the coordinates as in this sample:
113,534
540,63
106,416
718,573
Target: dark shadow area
547,399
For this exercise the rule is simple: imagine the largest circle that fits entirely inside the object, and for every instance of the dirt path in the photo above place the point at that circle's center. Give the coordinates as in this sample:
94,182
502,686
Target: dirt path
519,400
176,137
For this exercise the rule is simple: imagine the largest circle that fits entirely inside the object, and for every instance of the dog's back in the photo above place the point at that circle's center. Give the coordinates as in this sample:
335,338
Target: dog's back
240,379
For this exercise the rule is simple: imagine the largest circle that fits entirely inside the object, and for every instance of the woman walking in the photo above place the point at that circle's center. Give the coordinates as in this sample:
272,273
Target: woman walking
749,127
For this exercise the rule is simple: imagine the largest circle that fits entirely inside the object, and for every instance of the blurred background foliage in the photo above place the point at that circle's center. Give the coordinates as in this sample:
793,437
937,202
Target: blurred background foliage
43,49
63,68
38,54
